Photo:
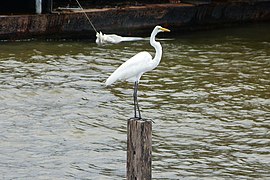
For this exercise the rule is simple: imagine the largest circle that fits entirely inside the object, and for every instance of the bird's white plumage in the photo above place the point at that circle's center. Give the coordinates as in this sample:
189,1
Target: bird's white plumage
132,69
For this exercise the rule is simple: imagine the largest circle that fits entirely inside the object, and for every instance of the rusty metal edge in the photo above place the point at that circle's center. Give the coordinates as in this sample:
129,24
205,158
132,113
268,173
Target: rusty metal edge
131,21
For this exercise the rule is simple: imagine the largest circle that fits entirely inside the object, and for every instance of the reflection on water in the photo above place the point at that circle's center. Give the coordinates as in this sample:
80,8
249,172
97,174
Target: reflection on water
209,97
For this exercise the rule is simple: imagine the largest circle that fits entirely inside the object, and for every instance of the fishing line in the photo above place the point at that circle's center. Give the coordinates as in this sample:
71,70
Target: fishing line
87,16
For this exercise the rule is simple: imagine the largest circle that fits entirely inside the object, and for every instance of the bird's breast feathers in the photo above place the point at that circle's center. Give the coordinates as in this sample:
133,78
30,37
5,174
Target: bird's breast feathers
133,68
139,63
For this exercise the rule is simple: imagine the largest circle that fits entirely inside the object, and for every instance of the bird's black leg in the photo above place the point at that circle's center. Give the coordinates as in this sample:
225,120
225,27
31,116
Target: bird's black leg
140,117
134,99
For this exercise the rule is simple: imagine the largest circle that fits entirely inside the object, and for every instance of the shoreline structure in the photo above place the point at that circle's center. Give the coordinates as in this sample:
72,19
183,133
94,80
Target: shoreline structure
133,20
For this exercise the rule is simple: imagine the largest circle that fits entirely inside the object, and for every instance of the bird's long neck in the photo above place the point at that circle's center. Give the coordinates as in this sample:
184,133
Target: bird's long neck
158,49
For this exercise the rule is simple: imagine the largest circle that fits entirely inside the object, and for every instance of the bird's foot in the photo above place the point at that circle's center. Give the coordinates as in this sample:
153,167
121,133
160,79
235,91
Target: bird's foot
141,119
136,118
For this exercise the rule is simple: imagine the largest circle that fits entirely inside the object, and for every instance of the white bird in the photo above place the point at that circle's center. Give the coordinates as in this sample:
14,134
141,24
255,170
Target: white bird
132,69
113,38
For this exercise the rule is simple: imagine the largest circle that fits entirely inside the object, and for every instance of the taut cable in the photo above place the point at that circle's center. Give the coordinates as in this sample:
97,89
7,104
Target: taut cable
87,16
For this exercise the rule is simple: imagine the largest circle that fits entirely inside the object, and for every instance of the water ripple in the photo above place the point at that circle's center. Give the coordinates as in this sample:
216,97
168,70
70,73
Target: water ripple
209,98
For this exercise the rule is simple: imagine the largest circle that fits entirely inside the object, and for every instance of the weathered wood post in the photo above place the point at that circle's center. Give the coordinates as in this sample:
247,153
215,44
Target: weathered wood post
139,149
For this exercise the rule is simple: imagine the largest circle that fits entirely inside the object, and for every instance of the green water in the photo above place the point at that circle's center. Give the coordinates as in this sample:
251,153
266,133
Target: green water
209,98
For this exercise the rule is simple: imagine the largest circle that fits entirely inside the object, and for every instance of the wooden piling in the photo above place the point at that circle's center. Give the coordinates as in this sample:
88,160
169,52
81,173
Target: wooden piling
139,149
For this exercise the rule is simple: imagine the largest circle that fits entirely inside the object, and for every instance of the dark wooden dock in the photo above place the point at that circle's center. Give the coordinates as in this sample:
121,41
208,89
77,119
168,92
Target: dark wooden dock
133,20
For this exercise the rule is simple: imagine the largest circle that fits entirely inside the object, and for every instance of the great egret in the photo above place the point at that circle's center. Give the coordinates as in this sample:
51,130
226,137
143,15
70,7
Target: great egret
113,38
132,69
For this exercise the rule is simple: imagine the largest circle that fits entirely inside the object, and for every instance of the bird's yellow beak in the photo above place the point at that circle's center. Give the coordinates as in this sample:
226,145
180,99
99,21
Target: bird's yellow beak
165,30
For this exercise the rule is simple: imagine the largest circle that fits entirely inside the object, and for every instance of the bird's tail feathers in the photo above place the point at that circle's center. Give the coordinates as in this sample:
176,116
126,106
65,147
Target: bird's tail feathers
110,80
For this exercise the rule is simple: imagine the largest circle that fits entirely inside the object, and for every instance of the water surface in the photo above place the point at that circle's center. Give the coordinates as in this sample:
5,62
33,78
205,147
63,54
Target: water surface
209,98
